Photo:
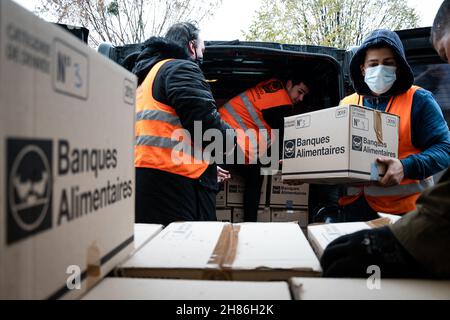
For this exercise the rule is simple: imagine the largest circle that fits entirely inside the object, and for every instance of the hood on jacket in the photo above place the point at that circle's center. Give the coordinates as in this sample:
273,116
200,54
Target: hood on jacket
377,38
153,51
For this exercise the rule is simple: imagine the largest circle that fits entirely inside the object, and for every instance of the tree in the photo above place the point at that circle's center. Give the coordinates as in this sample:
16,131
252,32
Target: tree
336,23
125,21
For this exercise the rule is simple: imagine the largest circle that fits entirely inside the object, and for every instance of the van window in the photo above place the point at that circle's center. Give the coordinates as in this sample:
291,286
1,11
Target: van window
435,78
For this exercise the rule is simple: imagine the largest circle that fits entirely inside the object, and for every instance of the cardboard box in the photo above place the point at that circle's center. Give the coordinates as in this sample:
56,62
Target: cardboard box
263,215
360,289
221,198
235,192
338,145
158,289
224,215
321,235
143,233
283,195
284,215
394,218
222,251
66,160
238,215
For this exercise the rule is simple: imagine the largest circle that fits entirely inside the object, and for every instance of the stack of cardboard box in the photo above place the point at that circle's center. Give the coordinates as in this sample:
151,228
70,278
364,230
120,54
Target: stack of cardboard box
279,202
66,146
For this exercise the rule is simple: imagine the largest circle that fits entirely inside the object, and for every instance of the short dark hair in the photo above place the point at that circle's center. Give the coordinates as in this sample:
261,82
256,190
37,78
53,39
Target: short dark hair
182,33
297,79
441,24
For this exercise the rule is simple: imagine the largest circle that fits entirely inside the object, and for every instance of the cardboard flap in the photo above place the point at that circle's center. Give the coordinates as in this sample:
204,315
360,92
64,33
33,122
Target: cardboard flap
378,223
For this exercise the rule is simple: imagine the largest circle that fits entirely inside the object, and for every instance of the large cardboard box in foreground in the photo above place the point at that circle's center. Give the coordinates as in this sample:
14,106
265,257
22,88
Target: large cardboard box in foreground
167,289
366,289
66,160
143,233
338,145
321,235
218,251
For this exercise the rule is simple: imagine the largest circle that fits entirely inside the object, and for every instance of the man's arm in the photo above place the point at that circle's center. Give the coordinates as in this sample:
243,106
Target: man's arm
425,232
429,133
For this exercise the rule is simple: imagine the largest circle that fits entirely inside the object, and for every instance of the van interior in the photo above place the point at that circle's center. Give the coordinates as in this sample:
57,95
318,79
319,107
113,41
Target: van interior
232,67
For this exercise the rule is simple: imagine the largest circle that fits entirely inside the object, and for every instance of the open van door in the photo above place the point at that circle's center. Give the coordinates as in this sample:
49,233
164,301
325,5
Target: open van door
430,71
233,67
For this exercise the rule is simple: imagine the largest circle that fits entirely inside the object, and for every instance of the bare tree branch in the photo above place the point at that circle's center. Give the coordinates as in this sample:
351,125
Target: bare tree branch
126,21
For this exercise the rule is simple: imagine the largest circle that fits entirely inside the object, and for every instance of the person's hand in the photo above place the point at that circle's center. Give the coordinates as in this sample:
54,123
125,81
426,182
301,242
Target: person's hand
350,255
222,175
394,171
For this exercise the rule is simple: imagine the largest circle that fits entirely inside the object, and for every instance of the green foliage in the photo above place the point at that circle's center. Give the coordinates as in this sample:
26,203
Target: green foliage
336,23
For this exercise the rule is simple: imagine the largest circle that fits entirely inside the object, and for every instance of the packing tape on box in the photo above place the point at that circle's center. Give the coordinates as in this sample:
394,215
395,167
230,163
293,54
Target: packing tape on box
225,251
93,265
378,223
378,125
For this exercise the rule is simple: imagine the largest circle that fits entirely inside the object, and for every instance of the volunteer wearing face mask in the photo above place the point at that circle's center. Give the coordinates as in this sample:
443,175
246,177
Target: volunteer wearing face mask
383,81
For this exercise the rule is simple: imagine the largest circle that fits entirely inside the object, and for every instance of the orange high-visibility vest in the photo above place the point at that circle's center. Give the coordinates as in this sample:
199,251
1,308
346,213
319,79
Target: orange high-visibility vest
244,113
156,146
402,198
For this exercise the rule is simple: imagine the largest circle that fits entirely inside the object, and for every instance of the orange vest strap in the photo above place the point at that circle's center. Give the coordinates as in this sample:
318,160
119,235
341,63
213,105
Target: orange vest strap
156,146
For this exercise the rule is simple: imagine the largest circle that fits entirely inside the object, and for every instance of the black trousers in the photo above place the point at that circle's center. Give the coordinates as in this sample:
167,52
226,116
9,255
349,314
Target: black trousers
359,210
163,198
251,174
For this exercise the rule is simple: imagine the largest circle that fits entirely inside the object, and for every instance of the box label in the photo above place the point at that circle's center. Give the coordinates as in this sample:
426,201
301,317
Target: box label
28,188
129,92
311,147
71,71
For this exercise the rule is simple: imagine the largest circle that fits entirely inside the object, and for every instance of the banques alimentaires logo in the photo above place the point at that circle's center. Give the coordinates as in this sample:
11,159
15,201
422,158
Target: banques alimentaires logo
289,149
29,188
357,143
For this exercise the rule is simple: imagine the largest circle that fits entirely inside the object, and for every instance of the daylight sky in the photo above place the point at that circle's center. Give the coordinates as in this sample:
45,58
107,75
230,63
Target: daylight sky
236,15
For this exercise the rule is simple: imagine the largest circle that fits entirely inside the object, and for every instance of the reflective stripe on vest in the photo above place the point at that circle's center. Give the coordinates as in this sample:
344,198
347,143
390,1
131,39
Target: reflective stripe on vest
245,111
157,144
250,151
158,115
251,110
401,198
399,190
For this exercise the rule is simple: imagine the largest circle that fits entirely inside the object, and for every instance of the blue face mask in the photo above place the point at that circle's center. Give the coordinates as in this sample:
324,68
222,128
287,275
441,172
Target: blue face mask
380,79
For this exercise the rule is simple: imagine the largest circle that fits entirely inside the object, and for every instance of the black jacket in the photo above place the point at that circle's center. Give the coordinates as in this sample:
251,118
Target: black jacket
180,84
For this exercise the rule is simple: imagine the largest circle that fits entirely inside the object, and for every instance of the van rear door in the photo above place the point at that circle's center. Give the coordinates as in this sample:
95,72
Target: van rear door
430,71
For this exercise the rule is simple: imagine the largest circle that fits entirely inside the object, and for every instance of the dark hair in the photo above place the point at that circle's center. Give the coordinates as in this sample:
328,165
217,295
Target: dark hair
182,33
441,24
297,79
